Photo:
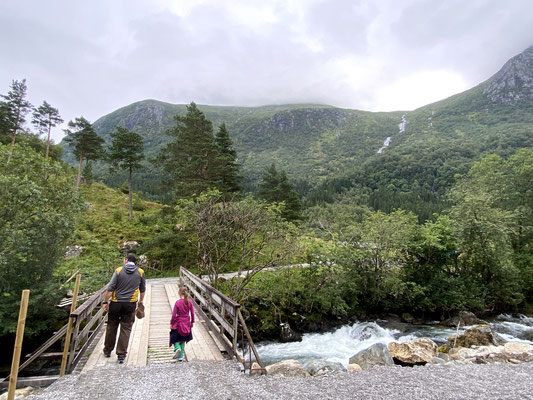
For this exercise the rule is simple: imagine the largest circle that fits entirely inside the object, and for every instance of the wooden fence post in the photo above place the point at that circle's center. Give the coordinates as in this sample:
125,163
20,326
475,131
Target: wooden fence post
18,344
69,329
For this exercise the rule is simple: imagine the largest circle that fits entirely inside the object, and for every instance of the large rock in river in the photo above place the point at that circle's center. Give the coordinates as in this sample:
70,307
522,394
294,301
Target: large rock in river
414,352
478,335
465,318
377,354
287,334
290,368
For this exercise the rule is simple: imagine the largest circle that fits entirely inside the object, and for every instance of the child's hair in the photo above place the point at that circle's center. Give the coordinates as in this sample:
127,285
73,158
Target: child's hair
184,292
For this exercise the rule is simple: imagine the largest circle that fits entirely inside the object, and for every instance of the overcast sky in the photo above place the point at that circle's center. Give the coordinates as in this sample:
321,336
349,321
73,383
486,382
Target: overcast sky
91,57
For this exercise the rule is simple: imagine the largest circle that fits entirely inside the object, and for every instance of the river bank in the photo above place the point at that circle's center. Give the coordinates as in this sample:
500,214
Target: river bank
223,380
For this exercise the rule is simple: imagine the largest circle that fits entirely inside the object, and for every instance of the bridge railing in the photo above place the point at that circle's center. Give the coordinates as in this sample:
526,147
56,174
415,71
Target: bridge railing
88,319
224,317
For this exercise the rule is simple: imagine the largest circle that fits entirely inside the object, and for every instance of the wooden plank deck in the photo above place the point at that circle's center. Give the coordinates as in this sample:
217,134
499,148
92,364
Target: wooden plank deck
149,337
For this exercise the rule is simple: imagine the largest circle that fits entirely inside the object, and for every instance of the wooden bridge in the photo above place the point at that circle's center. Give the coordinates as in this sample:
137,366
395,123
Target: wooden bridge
219,330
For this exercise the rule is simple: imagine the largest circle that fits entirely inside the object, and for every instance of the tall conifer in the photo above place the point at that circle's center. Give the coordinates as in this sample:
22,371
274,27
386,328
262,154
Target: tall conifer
87,144
126,152
276,188
14,109
229,168
44,119
191,161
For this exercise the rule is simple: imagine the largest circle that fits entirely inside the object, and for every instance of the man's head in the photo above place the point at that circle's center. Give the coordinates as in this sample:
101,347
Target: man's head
130,257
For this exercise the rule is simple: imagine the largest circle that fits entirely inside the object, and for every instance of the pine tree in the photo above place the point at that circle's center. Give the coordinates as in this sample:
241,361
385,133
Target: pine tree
87,144
14,109
126,152
269,189
229,168
276,188
87,174
4,123
44,119
191,161
293,204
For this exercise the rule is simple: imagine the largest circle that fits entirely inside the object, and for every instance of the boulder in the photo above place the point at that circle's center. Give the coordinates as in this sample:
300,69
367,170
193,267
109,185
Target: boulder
408,318
74,251
129,246
256,369
377,354
478,335
287,334
478,355
367,332
465,318
142,261
320,367
354,368
288,368
414,352
24,392
521,352
436,361
512,352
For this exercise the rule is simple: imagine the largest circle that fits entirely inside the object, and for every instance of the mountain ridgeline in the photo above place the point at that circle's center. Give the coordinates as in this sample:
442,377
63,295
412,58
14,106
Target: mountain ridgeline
327,151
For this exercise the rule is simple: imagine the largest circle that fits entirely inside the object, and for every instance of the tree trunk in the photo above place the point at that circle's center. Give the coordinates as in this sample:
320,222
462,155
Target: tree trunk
130,195
11,147
48,142
13,138
79,172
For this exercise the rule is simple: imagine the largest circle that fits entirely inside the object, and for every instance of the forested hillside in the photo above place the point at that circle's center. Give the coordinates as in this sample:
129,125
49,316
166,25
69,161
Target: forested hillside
327,150
310,142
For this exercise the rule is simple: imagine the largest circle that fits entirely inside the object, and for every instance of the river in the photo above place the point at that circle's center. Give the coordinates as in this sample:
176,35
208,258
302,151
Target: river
342,343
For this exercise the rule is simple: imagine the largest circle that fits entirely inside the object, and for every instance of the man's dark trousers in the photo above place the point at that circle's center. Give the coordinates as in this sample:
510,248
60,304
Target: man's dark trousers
122,314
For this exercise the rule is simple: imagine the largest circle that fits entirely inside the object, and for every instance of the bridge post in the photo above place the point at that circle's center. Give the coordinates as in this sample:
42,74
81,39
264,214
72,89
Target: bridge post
18,344
235,327
69,329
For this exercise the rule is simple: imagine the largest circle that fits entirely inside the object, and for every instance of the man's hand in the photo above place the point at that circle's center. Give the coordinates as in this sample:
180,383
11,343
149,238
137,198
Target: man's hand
105,306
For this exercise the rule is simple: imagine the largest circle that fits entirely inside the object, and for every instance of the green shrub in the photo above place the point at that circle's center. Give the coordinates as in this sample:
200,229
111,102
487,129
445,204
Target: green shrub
138,203
117,216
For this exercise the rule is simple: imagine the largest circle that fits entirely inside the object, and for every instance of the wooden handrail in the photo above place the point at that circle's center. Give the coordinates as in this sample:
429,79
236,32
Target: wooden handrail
224,319
208,288
94,301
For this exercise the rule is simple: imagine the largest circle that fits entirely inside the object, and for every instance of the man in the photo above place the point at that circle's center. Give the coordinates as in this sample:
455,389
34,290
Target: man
127,285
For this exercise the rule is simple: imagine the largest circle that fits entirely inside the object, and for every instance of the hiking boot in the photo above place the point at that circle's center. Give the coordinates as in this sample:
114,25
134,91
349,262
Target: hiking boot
121,359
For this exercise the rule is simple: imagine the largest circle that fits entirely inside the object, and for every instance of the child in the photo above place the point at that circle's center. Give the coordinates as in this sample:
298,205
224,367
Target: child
181,323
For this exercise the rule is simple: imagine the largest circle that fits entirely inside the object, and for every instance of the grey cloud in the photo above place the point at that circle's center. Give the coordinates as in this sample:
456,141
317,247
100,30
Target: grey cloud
341,25
91,58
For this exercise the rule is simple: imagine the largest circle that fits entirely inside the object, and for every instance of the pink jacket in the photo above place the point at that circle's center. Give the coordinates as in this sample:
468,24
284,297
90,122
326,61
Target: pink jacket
181,320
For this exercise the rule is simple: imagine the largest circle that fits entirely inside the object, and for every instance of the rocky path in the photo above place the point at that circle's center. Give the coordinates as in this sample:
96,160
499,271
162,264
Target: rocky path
223,380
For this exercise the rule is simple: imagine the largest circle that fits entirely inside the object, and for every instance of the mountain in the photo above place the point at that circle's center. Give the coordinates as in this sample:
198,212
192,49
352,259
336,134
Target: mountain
513,84
327,150
311,142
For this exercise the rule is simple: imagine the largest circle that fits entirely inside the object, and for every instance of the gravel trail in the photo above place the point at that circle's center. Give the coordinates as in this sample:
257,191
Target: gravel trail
223,380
